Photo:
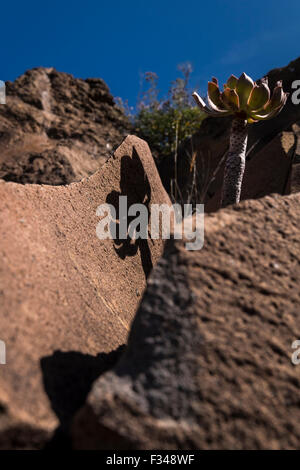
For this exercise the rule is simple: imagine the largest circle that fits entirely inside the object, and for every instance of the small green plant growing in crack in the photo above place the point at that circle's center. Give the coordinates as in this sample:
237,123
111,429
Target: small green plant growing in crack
248,102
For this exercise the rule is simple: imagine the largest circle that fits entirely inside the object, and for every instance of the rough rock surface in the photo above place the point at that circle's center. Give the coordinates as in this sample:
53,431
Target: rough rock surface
294,179
271,151
56,129
208,362
66,297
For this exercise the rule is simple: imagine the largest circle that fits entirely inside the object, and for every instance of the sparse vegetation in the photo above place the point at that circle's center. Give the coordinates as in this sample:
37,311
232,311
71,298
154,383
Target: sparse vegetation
165,122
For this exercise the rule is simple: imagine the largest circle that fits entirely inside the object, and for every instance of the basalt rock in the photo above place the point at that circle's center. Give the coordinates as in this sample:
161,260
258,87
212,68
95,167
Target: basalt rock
56,129
67,298
209,358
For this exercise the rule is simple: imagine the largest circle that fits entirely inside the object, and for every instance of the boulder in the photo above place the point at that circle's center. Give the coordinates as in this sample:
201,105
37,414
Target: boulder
56,129
294,177
209,358
67,298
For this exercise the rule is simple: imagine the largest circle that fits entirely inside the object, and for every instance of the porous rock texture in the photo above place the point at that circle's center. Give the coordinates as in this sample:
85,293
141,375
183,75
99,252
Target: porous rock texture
208,363
56,129
271,153
67,298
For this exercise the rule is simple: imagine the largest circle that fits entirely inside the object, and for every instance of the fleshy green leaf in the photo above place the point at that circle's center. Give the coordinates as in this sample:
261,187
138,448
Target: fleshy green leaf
259,96
214,95
230,99
268,115
231,82
244,87
199,101
277,96
265,80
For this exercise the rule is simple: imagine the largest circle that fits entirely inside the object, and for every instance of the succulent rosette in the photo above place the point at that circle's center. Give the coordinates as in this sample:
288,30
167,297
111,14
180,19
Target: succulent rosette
245,99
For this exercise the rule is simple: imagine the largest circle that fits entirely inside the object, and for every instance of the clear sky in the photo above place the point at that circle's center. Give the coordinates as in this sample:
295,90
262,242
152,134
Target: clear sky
118,40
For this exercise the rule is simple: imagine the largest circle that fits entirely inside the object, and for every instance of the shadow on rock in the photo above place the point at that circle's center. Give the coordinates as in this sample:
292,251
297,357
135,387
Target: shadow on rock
135,185
68,378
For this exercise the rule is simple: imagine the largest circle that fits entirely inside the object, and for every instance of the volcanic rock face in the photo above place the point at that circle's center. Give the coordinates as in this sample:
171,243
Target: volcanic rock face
208,363
294,178
66,297
55,129
271,151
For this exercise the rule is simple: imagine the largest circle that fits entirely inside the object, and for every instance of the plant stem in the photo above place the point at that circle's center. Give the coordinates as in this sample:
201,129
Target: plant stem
235,163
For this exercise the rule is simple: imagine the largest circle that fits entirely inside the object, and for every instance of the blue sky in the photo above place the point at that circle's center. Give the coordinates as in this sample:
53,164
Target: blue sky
120,40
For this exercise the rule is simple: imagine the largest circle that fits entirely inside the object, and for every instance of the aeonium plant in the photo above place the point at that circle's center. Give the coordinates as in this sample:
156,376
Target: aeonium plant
248,102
